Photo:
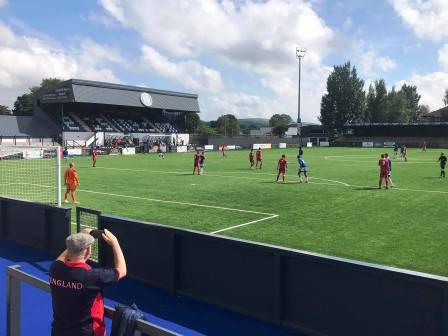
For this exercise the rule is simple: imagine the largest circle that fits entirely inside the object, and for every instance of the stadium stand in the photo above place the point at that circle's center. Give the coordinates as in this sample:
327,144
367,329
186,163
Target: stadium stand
75,111
435,134
104,107
70,124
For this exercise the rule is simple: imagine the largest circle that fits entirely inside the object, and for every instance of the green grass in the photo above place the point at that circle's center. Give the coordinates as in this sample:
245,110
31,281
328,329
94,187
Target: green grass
404,227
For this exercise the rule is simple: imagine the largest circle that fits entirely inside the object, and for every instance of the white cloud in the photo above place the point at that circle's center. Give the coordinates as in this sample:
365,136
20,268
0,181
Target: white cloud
443,57
431,86
3,3
386,64
258,37
100,18
190,74
25,60
428,19
372,64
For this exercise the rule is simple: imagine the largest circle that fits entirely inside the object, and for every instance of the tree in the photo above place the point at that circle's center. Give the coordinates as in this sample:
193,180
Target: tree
228,125
23,106
412,101
5,110
345,100
378,108
205,130
192,122
24,103
370,102
422,110
445,98
279,130
396,107
280,120
280,123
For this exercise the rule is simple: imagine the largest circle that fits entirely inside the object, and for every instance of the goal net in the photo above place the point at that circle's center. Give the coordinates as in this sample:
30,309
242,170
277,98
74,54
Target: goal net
31,173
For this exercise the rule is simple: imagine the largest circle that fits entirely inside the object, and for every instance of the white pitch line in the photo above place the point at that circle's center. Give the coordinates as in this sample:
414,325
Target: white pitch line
244,224
197,205
269,215
176,202
335,182
246,177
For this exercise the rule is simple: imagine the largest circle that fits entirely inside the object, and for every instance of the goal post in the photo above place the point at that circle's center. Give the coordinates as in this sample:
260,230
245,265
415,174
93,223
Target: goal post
31,173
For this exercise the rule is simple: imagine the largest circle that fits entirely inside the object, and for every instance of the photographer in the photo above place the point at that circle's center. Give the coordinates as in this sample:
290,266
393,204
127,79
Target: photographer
76,287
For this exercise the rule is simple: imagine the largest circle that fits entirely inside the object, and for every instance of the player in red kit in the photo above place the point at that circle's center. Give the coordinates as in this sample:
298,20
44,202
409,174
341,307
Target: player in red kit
259,156
384,172
196,165
251,159
94,153
282,167
224,150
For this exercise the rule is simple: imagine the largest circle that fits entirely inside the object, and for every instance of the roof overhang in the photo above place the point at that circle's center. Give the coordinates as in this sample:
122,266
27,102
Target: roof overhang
92,92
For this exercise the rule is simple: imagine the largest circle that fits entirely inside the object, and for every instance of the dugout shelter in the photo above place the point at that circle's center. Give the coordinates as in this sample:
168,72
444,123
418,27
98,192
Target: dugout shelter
435,134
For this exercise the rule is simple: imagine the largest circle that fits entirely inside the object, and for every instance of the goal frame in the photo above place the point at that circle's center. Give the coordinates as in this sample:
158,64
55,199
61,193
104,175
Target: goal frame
57,166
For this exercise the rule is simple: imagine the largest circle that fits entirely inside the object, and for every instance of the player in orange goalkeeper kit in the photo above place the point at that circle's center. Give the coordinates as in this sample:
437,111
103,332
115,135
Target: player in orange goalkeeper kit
71,181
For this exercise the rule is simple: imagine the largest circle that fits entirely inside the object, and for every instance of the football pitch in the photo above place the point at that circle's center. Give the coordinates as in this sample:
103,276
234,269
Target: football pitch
340,212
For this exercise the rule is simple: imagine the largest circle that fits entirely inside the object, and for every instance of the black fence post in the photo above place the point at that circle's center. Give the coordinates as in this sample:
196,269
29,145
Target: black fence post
3,209
174,250
78,219
278,288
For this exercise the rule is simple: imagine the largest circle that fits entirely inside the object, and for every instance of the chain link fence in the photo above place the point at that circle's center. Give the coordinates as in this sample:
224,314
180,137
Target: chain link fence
88,219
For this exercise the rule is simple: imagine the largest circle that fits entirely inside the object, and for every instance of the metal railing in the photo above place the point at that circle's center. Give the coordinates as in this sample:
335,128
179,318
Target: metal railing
15,276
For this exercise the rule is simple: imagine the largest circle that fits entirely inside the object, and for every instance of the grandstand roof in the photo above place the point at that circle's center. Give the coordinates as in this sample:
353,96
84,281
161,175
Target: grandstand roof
25,126
437,114
395,124
84,91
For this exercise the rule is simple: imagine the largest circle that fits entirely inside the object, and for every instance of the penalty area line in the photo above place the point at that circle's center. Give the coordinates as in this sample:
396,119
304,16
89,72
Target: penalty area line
269,215
176,202
244,224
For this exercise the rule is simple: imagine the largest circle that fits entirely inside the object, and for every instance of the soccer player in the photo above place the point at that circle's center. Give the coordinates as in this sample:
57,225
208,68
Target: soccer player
259,157
384,171
405,153
160,152
197,159
303,168
395,151
442,160
65,154
201,162
300,151
282,167
71,180
251,158
424,146
389,163
94,153
224,149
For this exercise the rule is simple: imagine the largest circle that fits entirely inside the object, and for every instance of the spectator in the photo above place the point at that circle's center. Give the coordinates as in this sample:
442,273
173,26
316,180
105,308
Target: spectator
76,287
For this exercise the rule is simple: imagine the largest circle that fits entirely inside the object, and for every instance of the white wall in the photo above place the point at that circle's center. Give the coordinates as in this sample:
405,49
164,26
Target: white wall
77,136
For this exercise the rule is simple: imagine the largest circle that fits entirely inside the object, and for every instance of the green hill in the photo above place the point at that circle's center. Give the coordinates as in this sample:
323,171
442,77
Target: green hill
253,123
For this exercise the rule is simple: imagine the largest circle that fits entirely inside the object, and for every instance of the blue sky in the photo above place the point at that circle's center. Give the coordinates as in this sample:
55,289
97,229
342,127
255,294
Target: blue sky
239,56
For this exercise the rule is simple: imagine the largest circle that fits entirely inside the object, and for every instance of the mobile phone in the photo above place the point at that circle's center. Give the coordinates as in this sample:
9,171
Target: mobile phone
97,234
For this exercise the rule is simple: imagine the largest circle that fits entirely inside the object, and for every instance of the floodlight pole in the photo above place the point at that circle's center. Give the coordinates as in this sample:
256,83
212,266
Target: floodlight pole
300,53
